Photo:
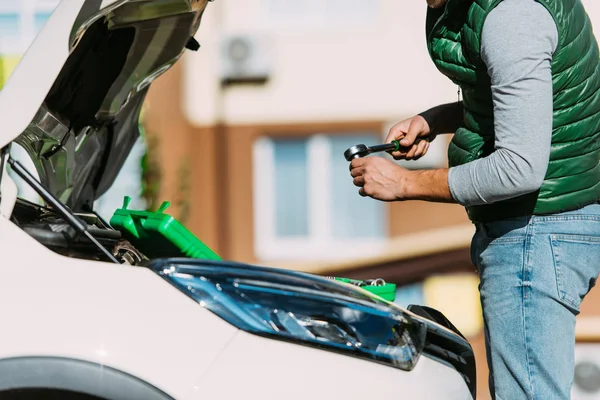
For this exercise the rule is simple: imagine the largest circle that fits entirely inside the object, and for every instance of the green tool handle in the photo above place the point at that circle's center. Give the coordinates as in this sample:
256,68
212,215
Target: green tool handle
394,145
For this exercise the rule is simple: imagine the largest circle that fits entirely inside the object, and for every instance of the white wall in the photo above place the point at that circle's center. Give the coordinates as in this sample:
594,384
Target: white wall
370,68
378,69
593,9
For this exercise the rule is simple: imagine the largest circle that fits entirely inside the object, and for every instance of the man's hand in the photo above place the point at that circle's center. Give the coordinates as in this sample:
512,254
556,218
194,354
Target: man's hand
383,180
378,178
407,132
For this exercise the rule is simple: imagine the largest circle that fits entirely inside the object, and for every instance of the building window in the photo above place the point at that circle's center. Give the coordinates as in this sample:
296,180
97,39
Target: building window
20,22
305,204
290,159
10,32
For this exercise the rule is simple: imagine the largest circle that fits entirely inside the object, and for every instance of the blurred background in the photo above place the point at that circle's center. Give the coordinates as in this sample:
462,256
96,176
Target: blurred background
246,138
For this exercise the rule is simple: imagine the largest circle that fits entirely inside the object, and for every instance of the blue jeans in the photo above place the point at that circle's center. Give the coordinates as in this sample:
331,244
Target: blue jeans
534,273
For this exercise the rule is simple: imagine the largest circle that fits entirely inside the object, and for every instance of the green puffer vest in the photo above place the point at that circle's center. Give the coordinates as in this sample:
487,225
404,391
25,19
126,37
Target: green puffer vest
573,177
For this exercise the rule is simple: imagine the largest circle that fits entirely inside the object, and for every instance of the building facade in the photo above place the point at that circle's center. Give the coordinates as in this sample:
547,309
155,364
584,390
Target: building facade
265,111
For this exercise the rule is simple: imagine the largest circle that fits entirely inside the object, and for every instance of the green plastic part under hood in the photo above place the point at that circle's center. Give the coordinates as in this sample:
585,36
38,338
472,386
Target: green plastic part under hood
159,235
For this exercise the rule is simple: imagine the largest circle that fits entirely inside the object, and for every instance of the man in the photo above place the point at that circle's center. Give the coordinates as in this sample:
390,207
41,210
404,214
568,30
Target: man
525,162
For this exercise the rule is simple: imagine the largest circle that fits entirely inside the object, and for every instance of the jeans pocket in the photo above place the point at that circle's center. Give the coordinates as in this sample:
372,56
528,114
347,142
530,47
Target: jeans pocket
576,264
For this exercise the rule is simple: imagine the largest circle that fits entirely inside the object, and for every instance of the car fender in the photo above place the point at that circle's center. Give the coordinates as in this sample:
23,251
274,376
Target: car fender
74,376
122,317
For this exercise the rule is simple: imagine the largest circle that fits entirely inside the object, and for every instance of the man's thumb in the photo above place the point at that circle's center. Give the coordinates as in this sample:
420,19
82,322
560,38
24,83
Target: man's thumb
411,135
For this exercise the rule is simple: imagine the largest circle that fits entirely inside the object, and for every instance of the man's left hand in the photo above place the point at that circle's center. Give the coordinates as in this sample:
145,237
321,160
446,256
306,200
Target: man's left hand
378,178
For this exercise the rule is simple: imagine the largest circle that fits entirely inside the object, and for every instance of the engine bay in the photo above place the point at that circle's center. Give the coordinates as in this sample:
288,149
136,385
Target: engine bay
53,231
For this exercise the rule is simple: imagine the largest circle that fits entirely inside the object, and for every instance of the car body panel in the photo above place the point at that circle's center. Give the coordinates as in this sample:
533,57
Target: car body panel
130,319
125,317
81,85
277,370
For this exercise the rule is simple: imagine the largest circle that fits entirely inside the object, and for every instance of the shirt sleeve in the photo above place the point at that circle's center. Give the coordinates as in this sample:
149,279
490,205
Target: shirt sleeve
518,40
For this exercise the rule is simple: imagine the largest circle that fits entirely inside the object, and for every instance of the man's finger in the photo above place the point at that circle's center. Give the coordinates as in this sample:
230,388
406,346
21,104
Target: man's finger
357,172
411,153
359,181
396,133
421,148
400,154
425,150
411,135
362,192
357,162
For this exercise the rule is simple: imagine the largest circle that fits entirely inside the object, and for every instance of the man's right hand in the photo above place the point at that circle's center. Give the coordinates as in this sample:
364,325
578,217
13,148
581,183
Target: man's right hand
407,132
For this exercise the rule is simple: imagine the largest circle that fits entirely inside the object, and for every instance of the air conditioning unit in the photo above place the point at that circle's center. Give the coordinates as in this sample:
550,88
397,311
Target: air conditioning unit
246,59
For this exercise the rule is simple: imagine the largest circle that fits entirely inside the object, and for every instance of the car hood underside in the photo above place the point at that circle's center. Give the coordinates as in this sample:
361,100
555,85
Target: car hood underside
88,122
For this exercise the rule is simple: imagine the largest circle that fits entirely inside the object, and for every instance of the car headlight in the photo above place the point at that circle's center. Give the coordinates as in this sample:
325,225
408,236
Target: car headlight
301,308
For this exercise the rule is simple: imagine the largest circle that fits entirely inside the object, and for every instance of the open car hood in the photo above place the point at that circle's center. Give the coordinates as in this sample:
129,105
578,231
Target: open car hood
74,101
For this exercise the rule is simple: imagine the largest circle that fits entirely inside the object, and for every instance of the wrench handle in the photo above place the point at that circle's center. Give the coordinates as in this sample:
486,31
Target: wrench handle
394,146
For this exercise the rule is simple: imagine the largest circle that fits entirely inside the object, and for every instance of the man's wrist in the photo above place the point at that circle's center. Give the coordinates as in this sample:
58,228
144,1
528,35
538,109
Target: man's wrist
411,184
406,185
427,185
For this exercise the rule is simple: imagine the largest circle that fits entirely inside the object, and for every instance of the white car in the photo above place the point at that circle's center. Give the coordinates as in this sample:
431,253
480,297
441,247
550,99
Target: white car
85,314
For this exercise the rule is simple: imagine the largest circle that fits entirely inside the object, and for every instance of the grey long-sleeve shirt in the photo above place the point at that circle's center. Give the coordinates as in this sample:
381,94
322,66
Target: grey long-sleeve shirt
518,40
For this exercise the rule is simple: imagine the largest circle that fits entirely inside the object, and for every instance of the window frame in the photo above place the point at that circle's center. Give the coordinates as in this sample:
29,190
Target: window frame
319,244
